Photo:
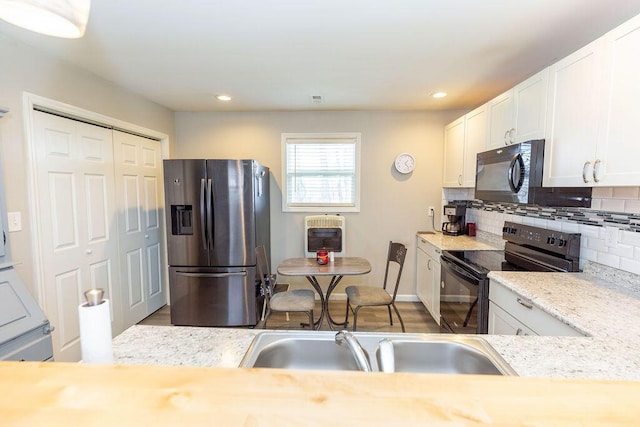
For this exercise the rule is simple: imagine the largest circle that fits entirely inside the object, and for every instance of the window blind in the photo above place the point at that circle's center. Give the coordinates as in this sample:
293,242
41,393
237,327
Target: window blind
321,173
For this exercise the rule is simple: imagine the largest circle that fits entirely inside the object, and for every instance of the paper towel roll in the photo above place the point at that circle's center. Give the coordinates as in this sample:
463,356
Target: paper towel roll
95,333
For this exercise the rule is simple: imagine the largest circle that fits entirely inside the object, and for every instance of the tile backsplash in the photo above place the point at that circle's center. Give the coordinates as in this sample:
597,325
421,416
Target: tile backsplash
610,229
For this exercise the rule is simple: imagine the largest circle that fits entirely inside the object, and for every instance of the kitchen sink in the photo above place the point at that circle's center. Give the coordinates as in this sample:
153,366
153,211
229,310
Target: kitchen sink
427,353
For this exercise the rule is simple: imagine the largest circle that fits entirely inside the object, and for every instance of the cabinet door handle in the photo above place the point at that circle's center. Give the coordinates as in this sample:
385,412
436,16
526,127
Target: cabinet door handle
504,138
459,179
429,264
512,135
596,170
525,303
519,331
584,172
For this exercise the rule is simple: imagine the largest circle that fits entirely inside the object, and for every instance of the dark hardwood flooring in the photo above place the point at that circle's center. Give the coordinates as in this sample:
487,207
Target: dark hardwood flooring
370,319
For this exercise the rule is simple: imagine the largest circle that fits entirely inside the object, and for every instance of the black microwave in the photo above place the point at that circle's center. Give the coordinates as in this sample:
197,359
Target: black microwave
514,174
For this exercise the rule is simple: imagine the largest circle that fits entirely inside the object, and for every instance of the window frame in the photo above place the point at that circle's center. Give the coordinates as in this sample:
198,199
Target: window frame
301,138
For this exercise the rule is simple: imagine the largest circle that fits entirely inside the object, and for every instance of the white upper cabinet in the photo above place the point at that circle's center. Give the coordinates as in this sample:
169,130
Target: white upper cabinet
572,124
475,140
592,130
463,139
530,107
500,120
618,147
519,114
453,153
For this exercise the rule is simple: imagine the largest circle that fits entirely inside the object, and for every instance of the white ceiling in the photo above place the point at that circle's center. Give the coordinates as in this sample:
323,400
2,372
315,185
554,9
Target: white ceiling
357,54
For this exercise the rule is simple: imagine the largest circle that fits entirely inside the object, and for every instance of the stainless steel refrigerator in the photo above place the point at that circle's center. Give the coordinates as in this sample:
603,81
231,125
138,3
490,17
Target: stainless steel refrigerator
217,213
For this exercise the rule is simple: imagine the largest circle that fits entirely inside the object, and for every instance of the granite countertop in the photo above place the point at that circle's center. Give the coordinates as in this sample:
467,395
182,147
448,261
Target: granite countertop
182,346
589,304
609,317
483,241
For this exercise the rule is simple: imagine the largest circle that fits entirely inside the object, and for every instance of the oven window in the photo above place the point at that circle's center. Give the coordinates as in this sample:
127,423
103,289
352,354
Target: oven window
458,303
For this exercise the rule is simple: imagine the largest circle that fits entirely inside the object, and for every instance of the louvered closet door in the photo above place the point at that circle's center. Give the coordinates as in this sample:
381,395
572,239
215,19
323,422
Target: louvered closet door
139,186
77,237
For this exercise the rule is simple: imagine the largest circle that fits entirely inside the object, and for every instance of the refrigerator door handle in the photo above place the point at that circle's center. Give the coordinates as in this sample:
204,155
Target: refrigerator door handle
209,213
203,214
260,177
216,275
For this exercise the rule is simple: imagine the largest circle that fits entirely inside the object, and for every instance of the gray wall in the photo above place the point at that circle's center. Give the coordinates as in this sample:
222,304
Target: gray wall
25,69
393,206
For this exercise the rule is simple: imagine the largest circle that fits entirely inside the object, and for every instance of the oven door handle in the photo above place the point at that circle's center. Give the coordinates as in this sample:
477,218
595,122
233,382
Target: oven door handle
458,270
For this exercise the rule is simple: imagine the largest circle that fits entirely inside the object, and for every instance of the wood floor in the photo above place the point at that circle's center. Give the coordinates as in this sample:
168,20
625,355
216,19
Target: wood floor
370,319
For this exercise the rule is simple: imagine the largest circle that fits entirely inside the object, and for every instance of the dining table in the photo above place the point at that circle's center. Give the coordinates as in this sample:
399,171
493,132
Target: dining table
336,269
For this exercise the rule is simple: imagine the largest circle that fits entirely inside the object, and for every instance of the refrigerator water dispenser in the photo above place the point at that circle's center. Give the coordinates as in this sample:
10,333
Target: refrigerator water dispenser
181,220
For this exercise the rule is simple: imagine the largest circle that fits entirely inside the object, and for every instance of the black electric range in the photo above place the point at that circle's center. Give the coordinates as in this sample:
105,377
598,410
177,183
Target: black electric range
464,293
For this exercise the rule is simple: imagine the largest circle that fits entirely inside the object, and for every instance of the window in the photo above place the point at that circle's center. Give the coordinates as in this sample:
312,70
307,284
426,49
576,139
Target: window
321,172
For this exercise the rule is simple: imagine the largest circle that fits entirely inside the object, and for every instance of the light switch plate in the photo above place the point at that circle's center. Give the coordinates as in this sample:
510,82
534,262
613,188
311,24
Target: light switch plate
15,221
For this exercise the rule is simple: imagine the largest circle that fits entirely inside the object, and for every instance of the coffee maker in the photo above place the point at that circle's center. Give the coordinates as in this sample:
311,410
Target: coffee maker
455,226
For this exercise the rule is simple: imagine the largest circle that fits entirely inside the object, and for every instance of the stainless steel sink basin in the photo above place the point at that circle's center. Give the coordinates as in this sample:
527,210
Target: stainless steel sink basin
296,353
428,353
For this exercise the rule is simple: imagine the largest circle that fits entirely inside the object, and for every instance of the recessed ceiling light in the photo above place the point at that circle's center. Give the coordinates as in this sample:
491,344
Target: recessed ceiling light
223,98
439,94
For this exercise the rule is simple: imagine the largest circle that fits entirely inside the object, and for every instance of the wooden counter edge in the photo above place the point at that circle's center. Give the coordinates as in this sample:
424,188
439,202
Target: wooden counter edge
70,394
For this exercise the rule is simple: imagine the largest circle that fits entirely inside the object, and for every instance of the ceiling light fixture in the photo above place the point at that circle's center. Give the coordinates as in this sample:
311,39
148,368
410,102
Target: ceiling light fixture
58,18
438,94
223,98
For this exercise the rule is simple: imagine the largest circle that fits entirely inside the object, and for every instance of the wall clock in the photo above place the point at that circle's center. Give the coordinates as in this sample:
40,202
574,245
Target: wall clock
405,163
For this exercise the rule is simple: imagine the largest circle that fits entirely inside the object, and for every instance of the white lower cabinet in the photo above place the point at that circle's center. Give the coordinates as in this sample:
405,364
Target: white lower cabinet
428,277
511,314
502,323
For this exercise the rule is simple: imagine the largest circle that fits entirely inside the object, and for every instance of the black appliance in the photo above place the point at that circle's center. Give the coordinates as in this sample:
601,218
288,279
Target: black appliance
217,213
464,290
456,214
514,174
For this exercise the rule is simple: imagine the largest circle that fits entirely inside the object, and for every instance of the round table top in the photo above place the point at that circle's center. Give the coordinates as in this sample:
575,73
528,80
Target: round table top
341,266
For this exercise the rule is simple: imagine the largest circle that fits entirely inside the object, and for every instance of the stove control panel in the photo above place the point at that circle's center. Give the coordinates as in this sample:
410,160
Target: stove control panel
567,244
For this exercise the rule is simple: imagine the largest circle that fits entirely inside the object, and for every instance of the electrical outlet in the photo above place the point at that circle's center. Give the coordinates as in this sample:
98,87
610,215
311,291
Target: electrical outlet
612,236
432,210
15,221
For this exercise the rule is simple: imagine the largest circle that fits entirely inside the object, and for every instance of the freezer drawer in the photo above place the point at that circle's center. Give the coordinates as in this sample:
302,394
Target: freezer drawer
213,296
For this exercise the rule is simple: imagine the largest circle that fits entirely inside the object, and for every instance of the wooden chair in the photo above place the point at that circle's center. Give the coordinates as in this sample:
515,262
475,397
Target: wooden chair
369,296
297,300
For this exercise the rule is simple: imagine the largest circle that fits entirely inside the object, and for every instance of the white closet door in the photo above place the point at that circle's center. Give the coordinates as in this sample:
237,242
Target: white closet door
78,243
139,185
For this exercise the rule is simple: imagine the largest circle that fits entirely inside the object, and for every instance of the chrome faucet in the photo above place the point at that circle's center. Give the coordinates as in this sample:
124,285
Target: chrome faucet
385,356
359,353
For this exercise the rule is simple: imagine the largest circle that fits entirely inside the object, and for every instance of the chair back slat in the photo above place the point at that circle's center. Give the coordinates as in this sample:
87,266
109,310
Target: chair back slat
397,253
